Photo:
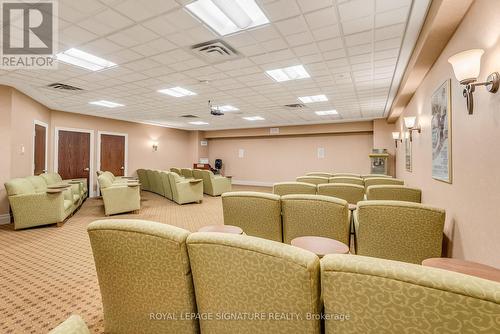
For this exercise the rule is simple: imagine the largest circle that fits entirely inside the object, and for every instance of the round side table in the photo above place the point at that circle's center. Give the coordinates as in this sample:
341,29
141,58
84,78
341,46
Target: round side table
320,246
221,229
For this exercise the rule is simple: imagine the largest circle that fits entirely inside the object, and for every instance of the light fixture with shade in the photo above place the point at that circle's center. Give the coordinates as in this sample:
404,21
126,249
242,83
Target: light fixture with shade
397,138
411,125
467,66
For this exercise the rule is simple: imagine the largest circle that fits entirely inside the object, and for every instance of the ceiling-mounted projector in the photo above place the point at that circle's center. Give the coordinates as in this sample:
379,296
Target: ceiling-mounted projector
214,110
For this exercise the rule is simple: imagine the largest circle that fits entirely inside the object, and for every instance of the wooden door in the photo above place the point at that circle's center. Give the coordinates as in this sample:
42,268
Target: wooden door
113,154
73,154
40,158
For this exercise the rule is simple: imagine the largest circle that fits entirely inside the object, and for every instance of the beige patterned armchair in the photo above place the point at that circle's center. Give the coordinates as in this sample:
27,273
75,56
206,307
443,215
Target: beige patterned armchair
239,274
402,231
312,179
315,215
382,296
290,188
394,193
185,190
347,179
374,181
213,185
119,198
258,214
352,193
143,269
322,174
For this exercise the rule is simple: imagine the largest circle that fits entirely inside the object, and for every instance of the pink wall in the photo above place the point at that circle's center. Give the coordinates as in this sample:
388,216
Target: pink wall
471,201
275,159
5,146
382,138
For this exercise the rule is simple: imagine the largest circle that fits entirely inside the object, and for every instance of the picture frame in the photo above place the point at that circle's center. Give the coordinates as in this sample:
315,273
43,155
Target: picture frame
441,131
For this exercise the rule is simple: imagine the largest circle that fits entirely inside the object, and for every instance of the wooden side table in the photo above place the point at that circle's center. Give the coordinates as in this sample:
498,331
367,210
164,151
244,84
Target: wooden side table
320,245
221,229
464,267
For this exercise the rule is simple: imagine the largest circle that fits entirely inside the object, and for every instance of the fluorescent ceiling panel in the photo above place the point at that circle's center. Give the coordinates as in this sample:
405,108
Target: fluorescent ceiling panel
254,118
198,123
228,108
288,73
176,92
228,16
107,104
312,99
83,59
327,112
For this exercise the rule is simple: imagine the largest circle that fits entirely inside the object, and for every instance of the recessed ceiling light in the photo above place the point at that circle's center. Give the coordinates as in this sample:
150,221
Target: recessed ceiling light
254,118
288,73
107,104
327,112
176,92
83,59
198,123
228,108
227,17
314,98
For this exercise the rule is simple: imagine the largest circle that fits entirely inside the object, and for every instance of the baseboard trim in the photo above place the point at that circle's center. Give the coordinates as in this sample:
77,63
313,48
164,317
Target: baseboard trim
252,183
5,219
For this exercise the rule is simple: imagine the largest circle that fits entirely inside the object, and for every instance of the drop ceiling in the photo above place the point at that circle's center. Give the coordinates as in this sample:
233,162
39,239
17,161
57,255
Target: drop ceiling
355,52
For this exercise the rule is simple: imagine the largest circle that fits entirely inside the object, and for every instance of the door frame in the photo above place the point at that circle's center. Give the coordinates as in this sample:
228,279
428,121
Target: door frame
91,160
46,126
125,163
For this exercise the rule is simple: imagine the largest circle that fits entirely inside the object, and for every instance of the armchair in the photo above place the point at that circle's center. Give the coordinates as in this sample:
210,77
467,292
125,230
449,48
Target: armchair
213,185
119,198
184,190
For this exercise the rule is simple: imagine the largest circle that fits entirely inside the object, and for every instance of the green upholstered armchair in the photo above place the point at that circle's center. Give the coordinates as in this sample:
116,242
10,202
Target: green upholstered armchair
289,188
151,179
374,181
157,185
167,188
352,193
346,174
73,325
176,170
213,185
347,179
258,214
185,190
239,274
37,206
394,193
312,179
119,198
78,186
143,179
187,173
402,231
322,174
315,215
383,296
143,269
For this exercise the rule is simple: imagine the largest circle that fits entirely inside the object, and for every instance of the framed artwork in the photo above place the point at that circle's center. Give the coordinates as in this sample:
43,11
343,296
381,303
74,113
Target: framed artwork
441,133
408,160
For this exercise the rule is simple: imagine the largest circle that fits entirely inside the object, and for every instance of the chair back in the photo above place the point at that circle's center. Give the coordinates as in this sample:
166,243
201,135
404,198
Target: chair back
187,173
346,174
322,174
143,179
375,181
51,178
347,179
240,274
167,187
142,268
206,176
312,179
288,188
258,214
368,176
351,193
377,293
19,186
158,183
315,215
38,182
176,170
394,193
401,231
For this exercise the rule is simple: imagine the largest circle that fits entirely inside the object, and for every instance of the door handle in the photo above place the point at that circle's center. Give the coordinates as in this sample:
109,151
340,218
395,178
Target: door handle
86,169
122,168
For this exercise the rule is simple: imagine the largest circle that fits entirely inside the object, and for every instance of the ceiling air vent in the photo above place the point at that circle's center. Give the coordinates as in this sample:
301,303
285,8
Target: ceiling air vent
61,86
189,116
295,106
215,51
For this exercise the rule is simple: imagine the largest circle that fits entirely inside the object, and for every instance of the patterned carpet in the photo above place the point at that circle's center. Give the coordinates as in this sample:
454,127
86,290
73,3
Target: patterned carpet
47,273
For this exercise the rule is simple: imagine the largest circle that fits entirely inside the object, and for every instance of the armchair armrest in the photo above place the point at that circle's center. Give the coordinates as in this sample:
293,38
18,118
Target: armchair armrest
195,180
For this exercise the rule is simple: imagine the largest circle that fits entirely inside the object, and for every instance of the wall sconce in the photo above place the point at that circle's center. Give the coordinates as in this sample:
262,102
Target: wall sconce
397,138
467,65
155,146
410,123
